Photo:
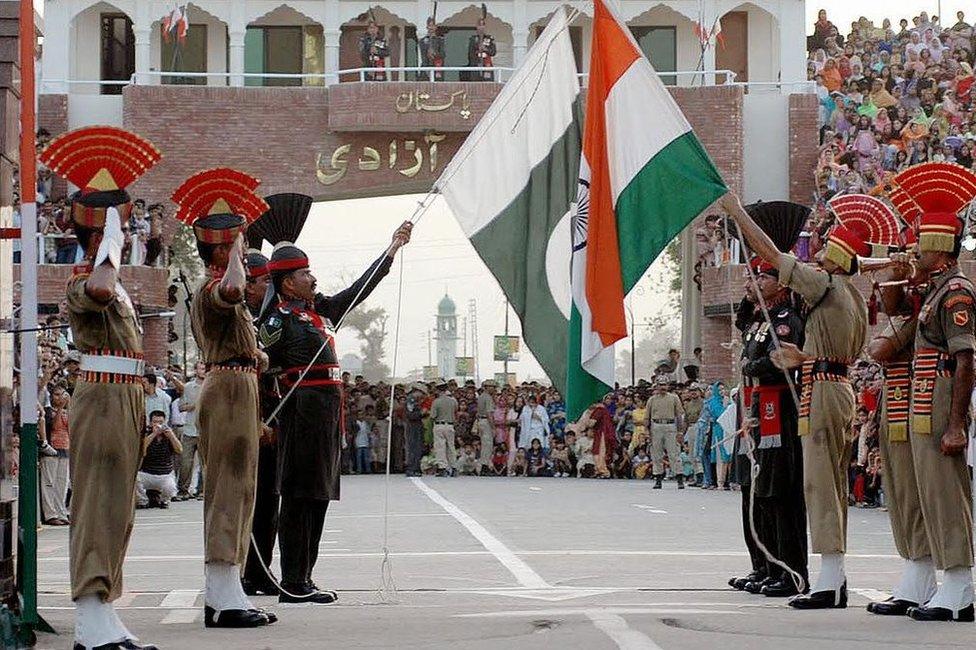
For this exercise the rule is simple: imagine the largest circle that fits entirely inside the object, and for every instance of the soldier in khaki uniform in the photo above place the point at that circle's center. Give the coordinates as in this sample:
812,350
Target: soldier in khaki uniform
693,405
942,384
219,203
835,331
107,408
486,433
442,414
665,417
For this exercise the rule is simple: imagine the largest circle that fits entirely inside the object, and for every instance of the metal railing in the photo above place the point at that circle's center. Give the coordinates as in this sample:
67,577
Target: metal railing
394,73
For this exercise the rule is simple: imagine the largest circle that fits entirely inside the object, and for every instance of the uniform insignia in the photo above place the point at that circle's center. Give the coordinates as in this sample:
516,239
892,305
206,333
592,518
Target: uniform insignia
783,314
961,299
897,394
783,330
770,411
961,317
274,321
269,334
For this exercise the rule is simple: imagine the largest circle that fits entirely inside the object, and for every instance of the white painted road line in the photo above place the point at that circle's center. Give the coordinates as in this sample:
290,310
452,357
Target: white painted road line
522,572
615,627
871,594
180,598
180,616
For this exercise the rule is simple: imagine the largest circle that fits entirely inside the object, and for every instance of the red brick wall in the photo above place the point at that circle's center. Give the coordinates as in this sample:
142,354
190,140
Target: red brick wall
804,143
52,114
715,113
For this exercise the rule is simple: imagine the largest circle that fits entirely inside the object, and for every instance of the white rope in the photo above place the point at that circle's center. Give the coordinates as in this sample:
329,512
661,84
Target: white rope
388,590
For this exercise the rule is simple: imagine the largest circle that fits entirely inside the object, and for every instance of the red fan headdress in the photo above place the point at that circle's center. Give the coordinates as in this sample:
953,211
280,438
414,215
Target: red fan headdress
219,203
873,217
938,191
102,161
845,244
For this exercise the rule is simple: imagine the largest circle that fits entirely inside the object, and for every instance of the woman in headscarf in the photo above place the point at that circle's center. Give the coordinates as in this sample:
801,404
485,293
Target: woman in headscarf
832,77
710,433
604,438
844,67
819,60
880,96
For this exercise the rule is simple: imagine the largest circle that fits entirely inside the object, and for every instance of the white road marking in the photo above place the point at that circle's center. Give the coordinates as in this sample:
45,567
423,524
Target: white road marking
180,598
615,627
533,613
649,509
871,594
181,616
124,600
522,572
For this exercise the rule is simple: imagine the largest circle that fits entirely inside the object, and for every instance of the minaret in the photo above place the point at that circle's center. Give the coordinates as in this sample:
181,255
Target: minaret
447,338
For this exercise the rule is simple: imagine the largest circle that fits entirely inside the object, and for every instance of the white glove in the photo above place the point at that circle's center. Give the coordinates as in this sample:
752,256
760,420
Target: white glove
110,249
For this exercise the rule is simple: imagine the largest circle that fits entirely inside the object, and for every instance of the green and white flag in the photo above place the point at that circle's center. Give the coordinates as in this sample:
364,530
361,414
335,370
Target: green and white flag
511,187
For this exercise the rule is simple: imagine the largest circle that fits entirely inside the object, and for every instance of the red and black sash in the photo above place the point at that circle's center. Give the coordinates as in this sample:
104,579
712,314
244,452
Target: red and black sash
898,383
815,370
929,365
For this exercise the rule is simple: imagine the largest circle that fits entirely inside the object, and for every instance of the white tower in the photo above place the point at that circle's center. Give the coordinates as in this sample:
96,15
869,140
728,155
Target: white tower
447,340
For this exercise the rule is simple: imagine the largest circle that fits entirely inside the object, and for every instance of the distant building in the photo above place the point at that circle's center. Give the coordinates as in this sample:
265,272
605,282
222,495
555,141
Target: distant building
447,338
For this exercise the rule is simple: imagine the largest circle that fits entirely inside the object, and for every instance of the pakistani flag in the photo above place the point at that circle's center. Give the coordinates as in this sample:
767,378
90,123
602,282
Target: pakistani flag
643,178
511,187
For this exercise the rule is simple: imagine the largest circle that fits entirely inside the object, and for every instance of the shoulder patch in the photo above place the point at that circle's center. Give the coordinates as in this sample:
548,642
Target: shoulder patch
961,317
958,299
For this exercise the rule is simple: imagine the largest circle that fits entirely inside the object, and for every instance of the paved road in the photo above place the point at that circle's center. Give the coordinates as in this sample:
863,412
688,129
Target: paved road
514,563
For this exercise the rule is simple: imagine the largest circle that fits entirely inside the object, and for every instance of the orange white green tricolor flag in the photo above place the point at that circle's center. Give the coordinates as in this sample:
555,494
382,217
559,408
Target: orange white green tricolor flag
644,177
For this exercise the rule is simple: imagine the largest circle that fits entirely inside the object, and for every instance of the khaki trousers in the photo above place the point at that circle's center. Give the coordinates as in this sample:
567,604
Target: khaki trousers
444,446
826,454
901,496
227,421
106,422
487,435
665,437
944,490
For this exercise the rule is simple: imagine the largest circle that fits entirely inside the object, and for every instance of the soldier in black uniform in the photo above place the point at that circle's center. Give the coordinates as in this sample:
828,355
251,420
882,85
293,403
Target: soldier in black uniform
293,331
264,526
432,50
778,488
373,50
481,50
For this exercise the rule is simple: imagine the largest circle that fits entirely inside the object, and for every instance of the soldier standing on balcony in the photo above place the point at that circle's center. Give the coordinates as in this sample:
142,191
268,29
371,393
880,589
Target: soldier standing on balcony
373,50
835,331
108,410
481,50
218,204
432,49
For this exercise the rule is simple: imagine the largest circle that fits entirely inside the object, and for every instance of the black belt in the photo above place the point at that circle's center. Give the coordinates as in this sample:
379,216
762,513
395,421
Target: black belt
663,421
448,423
235,362
823,366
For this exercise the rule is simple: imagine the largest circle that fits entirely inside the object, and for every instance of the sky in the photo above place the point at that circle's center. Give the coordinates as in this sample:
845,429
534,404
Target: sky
439,259
843,12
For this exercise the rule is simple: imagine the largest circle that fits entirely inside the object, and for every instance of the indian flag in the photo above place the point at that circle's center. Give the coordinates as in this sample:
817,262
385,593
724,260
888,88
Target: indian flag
644,177
511,187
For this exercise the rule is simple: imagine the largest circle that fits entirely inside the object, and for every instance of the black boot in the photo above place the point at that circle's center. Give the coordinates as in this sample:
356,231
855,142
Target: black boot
891,607
741,582
782,588
757,587
234,618
128,644
830,599
304,594
681,481
657,481
941,614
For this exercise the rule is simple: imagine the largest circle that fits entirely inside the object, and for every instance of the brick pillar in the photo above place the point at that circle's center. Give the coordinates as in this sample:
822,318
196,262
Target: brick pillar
804,144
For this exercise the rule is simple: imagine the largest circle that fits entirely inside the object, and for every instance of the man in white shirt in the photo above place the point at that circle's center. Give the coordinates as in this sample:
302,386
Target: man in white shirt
156,399
534,423
188,405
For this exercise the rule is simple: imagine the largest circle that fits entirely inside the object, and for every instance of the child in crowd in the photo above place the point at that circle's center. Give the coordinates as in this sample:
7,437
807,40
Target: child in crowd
537,462
585,462
560,458
518,463
499,460
467,462
641,463
363,459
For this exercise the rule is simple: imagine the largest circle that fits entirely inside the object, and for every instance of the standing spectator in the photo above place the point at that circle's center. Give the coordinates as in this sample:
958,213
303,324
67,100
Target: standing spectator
414,434
139,229
361,441
54,469
156,398
188,405
156,472
154,240
534,422
556,408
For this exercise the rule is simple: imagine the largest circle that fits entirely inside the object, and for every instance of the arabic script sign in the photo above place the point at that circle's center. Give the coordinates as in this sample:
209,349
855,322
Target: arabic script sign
406,156
423,101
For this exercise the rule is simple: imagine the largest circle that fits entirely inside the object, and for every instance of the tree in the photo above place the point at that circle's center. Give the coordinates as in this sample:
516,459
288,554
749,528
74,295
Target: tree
370,327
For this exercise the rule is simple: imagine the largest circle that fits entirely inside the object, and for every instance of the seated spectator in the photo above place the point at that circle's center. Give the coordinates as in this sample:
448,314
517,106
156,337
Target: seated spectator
641,463
559,456
467,461
585,460
499,460
156,472
536,460
519,463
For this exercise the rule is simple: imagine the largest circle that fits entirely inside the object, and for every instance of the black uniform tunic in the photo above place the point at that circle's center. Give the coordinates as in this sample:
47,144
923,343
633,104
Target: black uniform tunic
778,487
309,440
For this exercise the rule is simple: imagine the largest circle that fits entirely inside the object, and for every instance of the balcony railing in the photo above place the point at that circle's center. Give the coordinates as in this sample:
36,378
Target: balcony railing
396,73
49,252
